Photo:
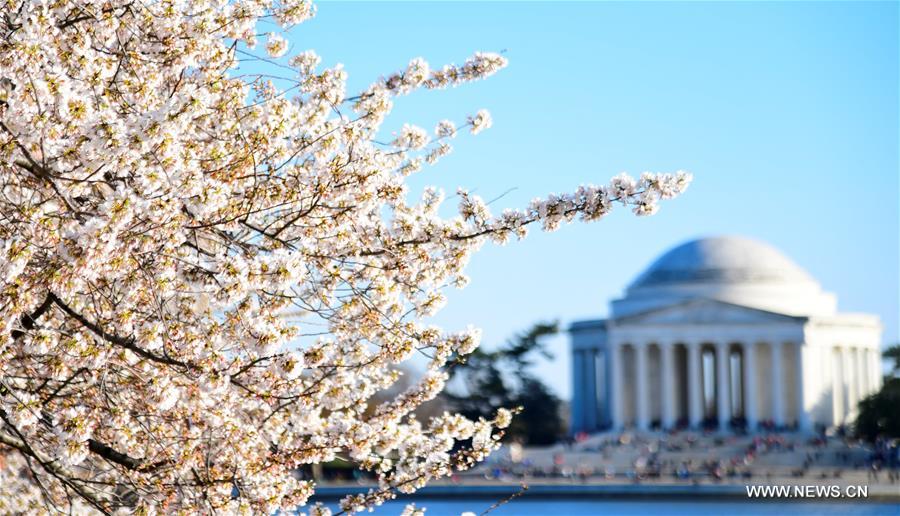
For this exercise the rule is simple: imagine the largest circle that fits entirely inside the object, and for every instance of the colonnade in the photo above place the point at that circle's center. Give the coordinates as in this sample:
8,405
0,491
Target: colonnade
716,384
854,374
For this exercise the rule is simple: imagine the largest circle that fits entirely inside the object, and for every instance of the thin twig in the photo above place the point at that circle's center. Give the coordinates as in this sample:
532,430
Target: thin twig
508,499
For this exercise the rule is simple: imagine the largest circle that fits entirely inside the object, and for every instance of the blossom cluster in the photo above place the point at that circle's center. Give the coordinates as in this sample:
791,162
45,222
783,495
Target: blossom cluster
206,276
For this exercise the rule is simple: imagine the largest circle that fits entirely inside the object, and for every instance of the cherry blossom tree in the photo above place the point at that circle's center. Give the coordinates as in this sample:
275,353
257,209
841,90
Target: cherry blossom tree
206,274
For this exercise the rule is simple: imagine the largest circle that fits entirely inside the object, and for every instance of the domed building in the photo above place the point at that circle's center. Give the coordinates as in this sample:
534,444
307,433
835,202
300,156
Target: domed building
723,332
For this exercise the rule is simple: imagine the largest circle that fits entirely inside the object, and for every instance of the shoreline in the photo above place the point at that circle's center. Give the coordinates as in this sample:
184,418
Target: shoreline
699,493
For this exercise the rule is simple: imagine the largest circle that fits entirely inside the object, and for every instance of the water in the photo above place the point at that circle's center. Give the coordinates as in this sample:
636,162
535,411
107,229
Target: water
563,507
613,500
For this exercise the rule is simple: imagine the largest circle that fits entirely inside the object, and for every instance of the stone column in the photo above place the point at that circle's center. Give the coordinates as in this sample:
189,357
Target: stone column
601,366
723,390
865,384
852,377
803,420
839,360
750,403
695,410
875,374
667,363
578,389
778,393
618,386
590,384
641,382
825,381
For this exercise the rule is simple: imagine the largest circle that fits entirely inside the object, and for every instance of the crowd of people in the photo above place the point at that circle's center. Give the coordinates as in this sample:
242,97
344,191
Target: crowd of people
697,458
885,457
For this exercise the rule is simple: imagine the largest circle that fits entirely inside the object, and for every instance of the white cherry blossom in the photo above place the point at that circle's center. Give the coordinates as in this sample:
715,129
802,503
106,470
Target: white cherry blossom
480,121
276,45
208,270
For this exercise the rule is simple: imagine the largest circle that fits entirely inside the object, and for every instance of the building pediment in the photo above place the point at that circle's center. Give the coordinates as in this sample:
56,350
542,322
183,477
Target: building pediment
706,311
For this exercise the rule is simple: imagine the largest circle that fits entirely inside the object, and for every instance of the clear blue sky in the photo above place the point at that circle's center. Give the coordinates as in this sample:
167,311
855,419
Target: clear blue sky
786,113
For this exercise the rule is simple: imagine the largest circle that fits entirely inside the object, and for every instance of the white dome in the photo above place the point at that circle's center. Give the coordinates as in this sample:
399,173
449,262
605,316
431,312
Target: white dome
722,260
732,269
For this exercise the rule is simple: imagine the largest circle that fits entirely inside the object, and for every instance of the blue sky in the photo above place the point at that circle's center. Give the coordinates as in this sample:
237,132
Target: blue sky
786,113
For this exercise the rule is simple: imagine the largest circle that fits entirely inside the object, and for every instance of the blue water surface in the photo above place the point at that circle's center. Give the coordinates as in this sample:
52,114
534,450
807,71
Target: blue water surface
555,507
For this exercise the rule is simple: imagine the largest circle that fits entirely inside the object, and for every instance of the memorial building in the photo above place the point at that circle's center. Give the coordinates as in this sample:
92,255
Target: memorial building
723,332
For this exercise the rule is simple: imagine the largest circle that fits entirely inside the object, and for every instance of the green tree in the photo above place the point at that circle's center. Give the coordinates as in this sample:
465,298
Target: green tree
879,413
503,378
893,353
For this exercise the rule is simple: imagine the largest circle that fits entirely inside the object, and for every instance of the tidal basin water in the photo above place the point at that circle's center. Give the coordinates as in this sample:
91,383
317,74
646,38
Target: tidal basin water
562,507
585,500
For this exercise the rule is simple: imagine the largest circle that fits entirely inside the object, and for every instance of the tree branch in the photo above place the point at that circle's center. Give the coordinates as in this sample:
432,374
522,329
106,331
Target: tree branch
125,342
29,321
50,466
108,453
